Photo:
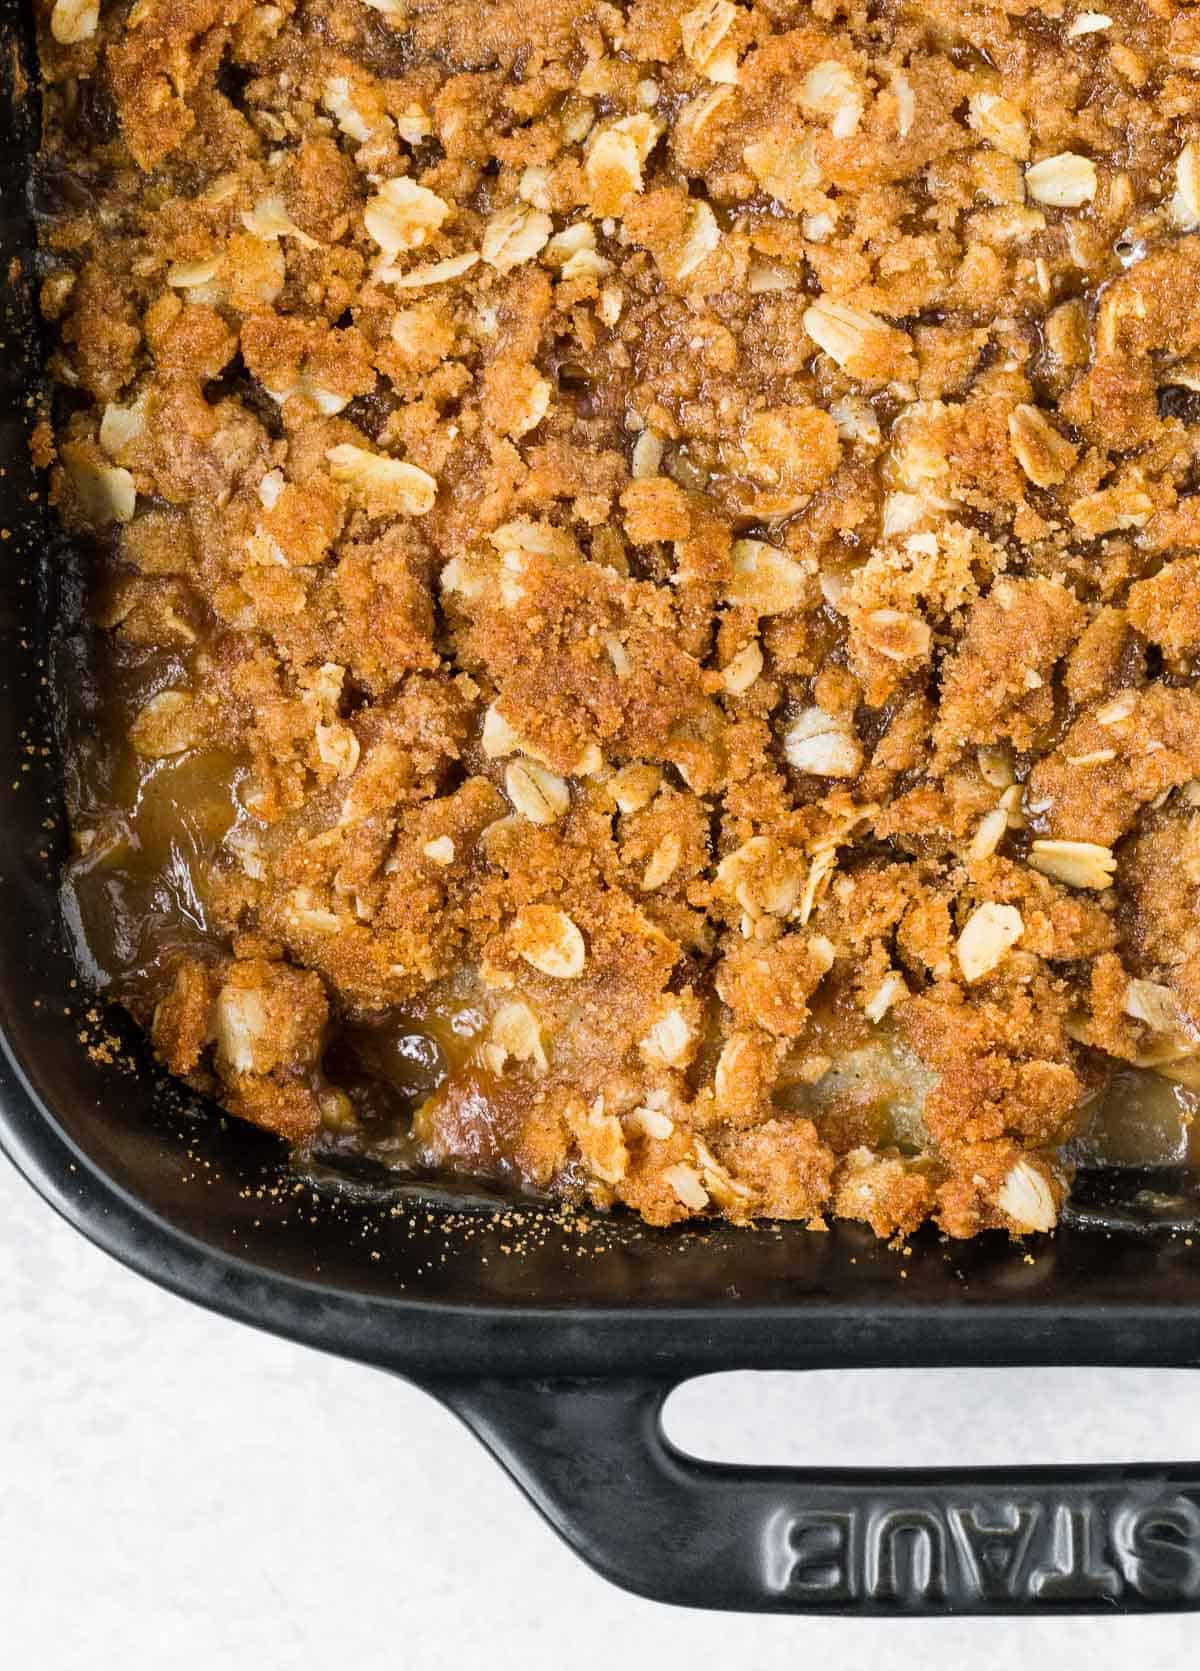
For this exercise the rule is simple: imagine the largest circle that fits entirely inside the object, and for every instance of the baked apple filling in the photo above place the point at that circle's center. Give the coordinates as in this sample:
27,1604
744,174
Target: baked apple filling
643,573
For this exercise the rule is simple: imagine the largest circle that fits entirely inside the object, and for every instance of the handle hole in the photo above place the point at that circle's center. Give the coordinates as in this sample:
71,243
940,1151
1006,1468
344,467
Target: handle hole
929,1418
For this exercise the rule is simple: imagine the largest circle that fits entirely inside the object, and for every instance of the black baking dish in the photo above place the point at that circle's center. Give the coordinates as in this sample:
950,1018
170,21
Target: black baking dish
558,1341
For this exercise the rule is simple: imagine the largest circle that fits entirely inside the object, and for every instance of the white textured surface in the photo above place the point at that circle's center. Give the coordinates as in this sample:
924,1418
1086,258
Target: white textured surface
178,1493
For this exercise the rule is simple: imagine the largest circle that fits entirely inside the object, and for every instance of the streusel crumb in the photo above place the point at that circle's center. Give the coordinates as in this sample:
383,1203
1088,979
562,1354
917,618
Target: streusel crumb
646,580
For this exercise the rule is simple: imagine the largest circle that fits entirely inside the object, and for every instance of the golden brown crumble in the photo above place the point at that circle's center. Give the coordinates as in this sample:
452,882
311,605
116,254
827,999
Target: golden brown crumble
648,581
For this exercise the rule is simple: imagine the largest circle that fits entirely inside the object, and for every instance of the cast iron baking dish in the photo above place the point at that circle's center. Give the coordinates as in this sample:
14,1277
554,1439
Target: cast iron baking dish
558,1340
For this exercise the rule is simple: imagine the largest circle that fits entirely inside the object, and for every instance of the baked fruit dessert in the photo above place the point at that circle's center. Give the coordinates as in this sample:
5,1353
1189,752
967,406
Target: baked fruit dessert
643,576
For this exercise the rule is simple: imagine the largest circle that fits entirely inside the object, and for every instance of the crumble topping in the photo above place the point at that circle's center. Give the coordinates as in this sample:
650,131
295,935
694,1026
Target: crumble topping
646,579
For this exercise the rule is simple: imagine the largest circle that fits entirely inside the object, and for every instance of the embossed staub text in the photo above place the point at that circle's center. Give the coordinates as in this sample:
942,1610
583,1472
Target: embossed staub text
988,1550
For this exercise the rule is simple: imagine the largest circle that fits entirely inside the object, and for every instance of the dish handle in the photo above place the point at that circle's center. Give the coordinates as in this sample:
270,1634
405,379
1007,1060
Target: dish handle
593,1457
